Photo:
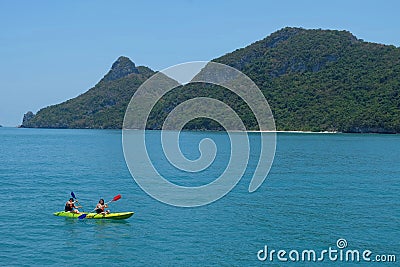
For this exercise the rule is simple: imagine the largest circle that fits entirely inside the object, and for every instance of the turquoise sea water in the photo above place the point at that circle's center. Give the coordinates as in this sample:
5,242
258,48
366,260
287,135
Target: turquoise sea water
321,187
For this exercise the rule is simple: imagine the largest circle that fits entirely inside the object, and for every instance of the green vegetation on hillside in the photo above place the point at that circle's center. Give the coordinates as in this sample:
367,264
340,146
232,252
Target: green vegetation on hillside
324,80
102,107
314,80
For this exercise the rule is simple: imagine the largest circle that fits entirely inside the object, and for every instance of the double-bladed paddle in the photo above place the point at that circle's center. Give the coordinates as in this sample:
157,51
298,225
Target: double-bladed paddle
117,197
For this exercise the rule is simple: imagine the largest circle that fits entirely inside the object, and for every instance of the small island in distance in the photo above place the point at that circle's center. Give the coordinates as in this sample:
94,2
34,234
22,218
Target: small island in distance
314,80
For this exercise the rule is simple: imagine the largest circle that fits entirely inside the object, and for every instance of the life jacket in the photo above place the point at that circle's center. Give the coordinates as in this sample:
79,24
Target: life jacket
100,208
68,206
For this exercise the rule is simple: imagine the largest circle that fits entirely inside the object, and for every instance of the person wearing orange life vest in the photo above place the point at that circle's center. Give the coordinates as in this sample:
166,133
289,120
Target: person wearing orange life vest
70,206
100,207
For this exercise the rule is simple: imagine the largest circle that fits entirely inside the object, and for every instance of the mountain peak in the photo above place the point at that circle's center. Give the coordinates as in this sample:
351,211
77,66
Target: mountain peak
121,68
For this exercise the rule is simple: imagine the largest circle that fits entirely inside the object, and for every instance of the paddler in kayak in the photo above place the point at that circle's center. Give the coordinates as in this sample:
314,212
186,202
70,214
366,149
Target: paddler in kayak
100,207
70,206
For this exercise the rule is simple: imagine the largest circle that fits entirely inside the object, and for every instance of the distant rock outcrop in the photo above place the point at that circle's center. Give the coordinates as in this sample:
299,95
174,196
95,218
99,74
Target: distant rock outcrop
27,117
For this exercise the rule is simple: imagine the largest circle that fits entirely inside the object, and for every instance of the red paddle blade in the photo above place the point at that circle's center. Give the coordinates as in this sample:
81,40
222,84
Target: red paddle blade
117,197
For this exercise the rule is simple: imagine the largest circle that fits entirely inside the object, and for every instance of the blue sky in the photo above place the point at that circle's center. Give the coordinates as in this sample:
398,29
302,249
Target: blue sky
52,51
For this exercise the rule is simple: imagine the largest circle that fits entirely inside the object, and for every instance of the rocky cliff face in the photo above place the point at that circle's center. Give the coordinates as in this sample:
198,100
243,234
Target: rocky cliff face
27,117
121,68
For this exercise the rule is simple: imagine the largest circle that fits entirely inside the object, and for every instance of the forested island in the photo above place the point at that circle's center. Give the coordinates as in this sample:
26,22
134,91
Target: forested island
313,80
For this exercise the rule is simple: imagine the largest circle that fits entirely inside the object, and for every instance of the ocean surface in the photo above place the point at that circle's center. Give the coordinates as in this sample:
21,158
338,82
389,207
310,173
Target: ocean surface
321,188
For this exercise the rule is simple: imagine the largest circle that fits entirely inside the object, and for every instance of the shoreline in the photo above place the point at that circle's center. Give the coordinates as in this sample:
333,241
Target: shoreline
250,131
307,132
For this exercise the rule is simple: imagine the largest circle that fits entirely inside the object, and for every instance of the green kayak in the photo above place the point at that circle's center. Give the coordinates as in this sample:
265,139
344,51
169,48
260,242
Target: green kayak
112,216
